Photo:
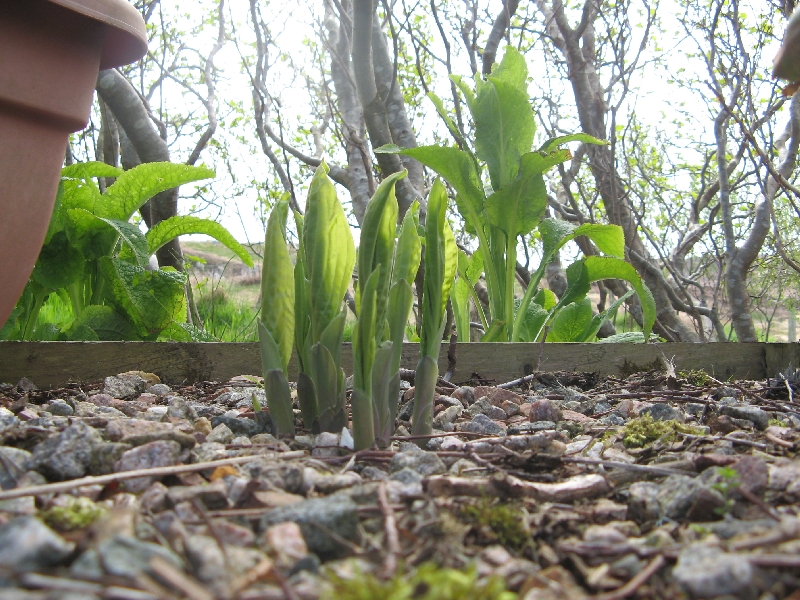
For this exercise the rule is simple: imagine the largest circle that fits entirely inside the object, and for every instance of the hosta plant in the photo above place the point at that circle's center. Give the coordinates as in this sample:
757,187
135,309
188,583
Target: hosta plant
515,206
388,259
441,259
97,261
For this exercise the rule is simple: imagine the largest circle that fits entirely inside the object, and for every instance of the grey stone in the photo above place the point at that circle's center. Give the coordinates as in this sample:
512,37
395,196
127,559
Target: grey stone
209,562
209,411
208,451
105,456
247,400
67,455
531,427
754,414
708,572
545,410
338,514
677,495
155,454
479,407
694,408
137,432
110,412
370,473
239,426
241,441
154,499
407,476
643,504
448,415
213,495
424,463
465,394
661,411
406,410
60,408
124,386
27,544
7,419
125,556
484,425
613,419
159,389
221,434
179,409
13,464
725,391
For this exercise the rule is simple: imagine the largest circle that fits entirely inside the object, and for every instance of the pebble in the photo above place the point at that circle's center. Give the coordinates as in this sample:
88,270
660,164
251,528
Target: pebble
178,408
338,514
420,461
661,411
239,426
161,453
137,432
13,464
105,456
159,389
479,407
286,542
27,544
708,572
67,455
126,556
60,408
221,434
484,425
747,412
213,495
449,416
543,409
123,386
465,395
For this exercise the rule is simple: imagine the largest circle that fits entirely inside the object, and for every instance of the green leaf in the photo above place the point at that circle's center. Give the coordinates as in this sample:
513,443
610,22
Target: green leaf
90,169
451,126
401,298
326,382
93,236
571,322
377,243
497,331
136,186
329,251
597,320
545,298
167,230
384,397
277,285
59,265
104,322
469,96
408,253
555,143
151,299
302,303
460,299
307,398
184,332
532,321
424,388
279,400
271,358
364,338
504,123
518,207
609,239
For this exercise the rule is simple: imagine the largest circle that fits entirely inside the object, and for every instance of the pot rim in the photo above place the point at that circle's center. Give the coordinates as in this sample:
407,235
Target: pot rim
126,36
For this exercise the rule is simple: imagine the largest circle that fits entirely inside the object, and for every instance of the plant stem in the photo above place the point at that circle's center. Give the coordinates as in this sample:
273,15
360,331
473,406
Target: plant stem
38,300
76,296
511,263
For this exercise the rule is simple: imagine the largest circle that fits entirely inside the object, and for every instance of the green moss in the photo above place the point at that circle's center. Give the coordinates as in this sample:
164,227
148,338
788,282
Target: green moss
695,377
77,514
778,422
505,522
637,433
428,582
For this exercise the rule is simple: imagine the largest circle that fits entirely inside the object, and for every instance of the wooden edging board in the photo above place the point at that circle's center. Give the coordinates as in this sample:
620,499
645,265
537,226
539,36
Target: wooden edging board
53,364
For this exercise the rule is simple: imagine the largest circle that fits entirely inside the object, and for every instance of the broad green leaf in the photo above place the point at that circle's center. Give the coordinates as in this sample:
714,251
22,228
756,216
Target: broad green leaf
609,239
58,217
132,238
363,419
329,251
469,95
441,257
90,169
532,322
279,400
545,298
376,248
518,207
307,398
152,299
450,265
409,247
401,298
325,376
383,378
167,230
302,304
277,285
458,169
136,186
571,322
333,335
439,105
271,358
93,236
460,299
184,332
496,332
105,323
424,388
578,283
597,320
60,263
554,144
555,233
364,334
504,122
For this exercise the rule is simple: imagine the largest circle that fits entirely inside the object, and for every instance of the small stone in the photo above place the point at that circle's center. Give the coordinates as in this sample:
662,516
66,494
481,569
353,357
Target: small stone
105,456
241,441
424,463
643,504
370,473
510,408
479,407
154,498
662,411
784,476
137,432
126,556
754,414
67,455
156,413
203,425
465,395
464,464
406,476
123,386
534,427
7,419
449,416
208,451
25,386
286,541
484,425
159,389
338,514
544,410
27,544
213,495
221,434
497,395
328,484
708,572
27,415
604,534
232,534
239,426
179,409
128,408
155,454
60,408
347,440
725,391
677,495
13,464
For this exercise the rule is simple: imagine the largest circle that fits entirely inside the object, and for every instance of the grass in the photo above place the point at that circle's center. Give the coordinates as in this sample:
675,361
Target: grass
225,315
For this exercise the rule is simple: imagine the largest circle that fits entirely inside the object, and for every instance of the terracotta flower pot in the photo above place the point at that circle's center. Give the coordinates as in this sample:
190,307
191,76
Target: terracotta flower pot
50,54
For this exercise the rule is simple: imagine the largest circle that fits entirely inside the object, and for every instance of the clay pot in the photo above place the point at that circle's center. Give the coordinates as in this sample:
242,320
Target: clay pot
50,54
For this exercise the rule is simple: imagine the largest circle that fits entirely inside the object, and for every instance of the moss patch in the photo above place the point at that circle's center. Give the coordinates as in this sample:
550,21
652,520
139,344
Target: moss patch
637,433
77,514
506,522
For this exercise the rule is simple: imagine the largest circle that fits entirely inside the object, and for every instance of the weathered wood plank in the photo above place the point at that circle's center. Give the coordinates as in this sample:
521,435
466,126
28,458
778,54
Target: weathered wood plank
52,364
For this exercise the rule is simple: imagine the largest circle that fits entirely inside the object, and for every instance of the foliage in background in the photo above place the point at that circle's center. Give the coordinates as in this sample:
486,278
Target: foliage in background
504,129
96,260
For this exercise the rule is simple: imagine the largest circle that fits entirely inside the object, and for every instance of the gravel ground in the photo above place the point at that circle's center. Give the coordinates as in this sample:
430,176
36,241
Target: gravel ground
560,485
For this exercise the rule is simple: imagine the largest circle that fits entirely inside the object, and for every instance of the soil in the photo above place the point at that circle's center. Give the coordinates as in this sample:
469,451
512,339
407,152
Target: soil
560,485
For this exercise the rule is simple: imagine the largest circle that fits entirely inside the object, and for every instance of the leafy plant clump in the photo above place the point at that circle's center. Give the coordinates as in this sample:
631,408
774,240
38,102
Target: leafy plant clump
727,482
97,261
428,582
78,513
695,377
504,520
644,430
